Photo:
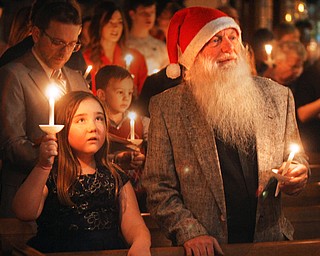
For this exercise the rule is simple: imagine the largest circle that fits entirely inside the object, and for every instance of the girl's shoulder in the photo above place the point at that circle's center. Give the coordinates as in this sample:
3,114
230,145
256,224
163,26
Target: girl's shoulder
119,172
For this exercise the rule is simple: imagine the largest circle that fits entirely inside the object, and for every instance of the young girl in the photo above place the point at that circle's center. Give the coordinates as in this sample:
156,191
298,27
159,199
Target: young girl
115,89
81,202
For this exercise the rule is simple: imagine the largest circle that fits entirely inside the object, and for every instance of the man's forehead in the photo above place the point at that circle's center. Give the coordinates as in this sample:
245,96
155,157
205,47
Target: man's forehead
231,31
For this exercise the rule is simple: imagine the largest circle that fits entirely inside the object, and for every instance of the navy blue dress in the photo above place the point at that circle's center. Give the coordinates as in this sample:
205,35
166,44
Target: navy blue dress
92,224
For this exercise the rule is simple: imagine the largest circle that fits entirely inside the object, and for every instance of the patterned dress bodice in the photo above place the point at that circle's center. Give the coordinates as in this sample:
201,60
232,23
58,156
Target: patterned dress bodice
96,207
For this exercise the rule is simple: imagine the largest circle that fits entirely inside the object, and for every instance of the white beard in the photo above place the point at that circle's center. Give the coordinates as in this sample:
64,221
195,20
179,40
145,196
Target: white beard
229,99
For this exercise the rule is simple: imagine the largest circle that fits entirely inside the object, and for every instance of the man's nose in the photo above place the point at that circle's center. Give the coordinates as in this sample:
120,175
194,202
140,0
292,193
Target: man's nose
227,45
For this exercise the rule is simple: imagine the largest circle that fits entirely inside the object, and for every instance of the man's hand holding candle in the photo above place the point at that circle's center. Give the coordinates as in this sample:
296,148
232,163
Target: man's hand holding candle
298,177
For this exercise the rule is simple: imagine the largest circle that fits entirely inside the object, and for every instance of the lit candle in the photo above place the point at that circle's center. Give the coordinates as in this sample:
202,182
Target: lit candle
128,59
268,48
132,117
52,92
87,71
156,70
294,149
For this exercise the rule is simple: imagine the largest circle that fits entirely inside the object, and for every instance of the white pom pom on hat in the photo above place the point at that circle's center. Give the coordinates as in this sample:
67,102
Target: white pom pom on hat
189,30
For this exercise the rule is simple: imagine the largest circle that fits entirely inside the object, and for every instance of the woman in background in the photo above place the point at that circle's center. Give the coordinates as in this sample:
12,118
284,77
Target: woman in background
107,33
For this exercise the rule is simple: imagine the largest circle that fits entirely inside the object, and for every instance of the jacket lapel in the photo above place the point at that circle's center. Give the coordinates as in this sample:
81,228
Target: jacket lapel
36,73
202,140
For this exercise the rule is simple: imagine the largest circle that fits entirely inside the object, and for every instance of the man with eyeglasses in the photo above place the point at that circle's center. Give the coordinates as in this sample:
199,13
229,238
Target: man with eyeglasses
76,60
23,86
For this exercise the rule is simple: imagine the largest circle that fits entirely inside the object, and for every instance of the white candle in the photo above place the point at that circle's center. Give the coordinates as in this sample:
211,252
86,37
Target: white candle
294,149
132,117
52,92
128,59
87,71
51,111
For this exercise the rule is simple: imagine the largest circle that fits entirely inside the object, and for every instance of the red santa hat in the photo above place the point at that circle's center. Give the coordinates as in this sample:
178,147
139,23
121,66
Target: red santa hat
189,30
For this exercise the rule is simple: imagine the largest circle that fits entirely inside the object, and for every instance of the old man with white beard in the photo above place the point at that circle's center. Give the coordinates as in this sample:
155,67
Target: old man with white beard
214,139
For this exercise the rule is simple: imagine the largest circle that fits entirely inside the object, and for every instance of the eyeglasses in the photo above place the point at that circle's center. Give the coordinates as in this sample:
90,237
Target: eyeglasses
75,46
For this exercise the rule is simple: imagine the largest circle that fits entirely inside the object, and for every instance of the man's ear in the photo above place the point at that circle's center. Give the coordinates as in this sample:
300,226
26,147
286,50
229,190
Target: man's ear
35,32
101,95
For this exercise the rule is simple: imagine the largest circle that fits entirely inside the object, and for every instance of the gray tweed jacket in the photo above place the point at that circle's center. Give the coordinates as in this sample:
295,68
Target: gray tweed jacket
182,174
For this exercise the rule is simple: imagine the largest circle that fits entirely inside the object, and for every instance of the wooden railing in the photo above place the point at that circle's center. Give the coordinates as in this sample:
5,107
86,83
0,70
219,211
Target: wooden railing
287,248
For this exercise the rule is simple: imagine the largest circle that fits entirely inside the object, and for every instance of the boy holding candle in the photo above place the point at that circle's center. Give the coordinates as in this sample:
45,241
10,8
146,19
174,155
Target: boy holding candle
115,88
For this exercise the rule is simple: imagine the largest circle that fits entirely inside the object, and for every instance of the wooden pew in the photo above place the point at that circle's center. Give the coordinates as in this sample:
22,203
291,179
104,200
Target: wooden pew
158,239
303,210
286,248
314,157
14,231
310,196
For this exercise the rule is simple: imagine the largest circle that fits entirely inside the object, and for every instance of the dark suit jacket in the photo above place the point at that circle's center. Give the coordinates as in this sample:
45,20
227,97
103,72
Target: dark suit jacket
24,106
182,174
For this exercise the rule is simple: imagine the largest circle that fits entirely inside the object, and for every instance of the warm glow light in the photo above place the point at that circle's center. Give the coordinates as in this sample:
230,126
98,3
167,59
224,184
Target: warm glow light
301,7
268,48
288,17
294,148
52,91
132,115
156,70
128,59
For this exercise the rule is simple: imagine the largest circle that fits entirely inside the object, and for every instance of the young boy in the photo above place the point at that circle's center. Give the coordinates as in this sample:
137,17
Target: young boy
115,88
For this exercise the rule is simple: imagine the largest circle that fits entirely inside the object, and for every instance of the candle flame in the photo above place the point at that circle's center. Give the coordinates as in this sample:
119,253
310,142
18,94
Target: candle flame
294,148
52,91
128,59
132,115
268,48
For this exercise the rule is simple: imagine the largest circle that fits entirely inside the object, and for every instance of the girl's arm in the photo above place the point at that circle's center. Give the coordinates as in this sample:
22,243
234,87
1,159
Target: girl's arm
133,227
30,197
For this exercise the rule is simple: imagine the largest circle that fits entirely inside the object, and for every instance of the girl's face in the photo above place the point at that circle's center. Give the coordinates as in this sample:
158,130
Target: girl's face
112,31
88,129
119,95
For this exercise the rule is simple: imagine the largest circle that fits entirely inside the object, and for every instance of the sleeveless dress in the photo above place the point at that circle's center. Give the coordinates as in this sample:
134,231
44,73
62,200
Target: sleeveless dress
92,224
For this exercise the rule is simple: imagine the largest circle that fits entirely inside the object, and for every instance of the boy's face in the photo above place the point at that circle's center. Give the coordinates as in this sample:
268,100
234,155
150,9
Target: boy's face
143,17
118,95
